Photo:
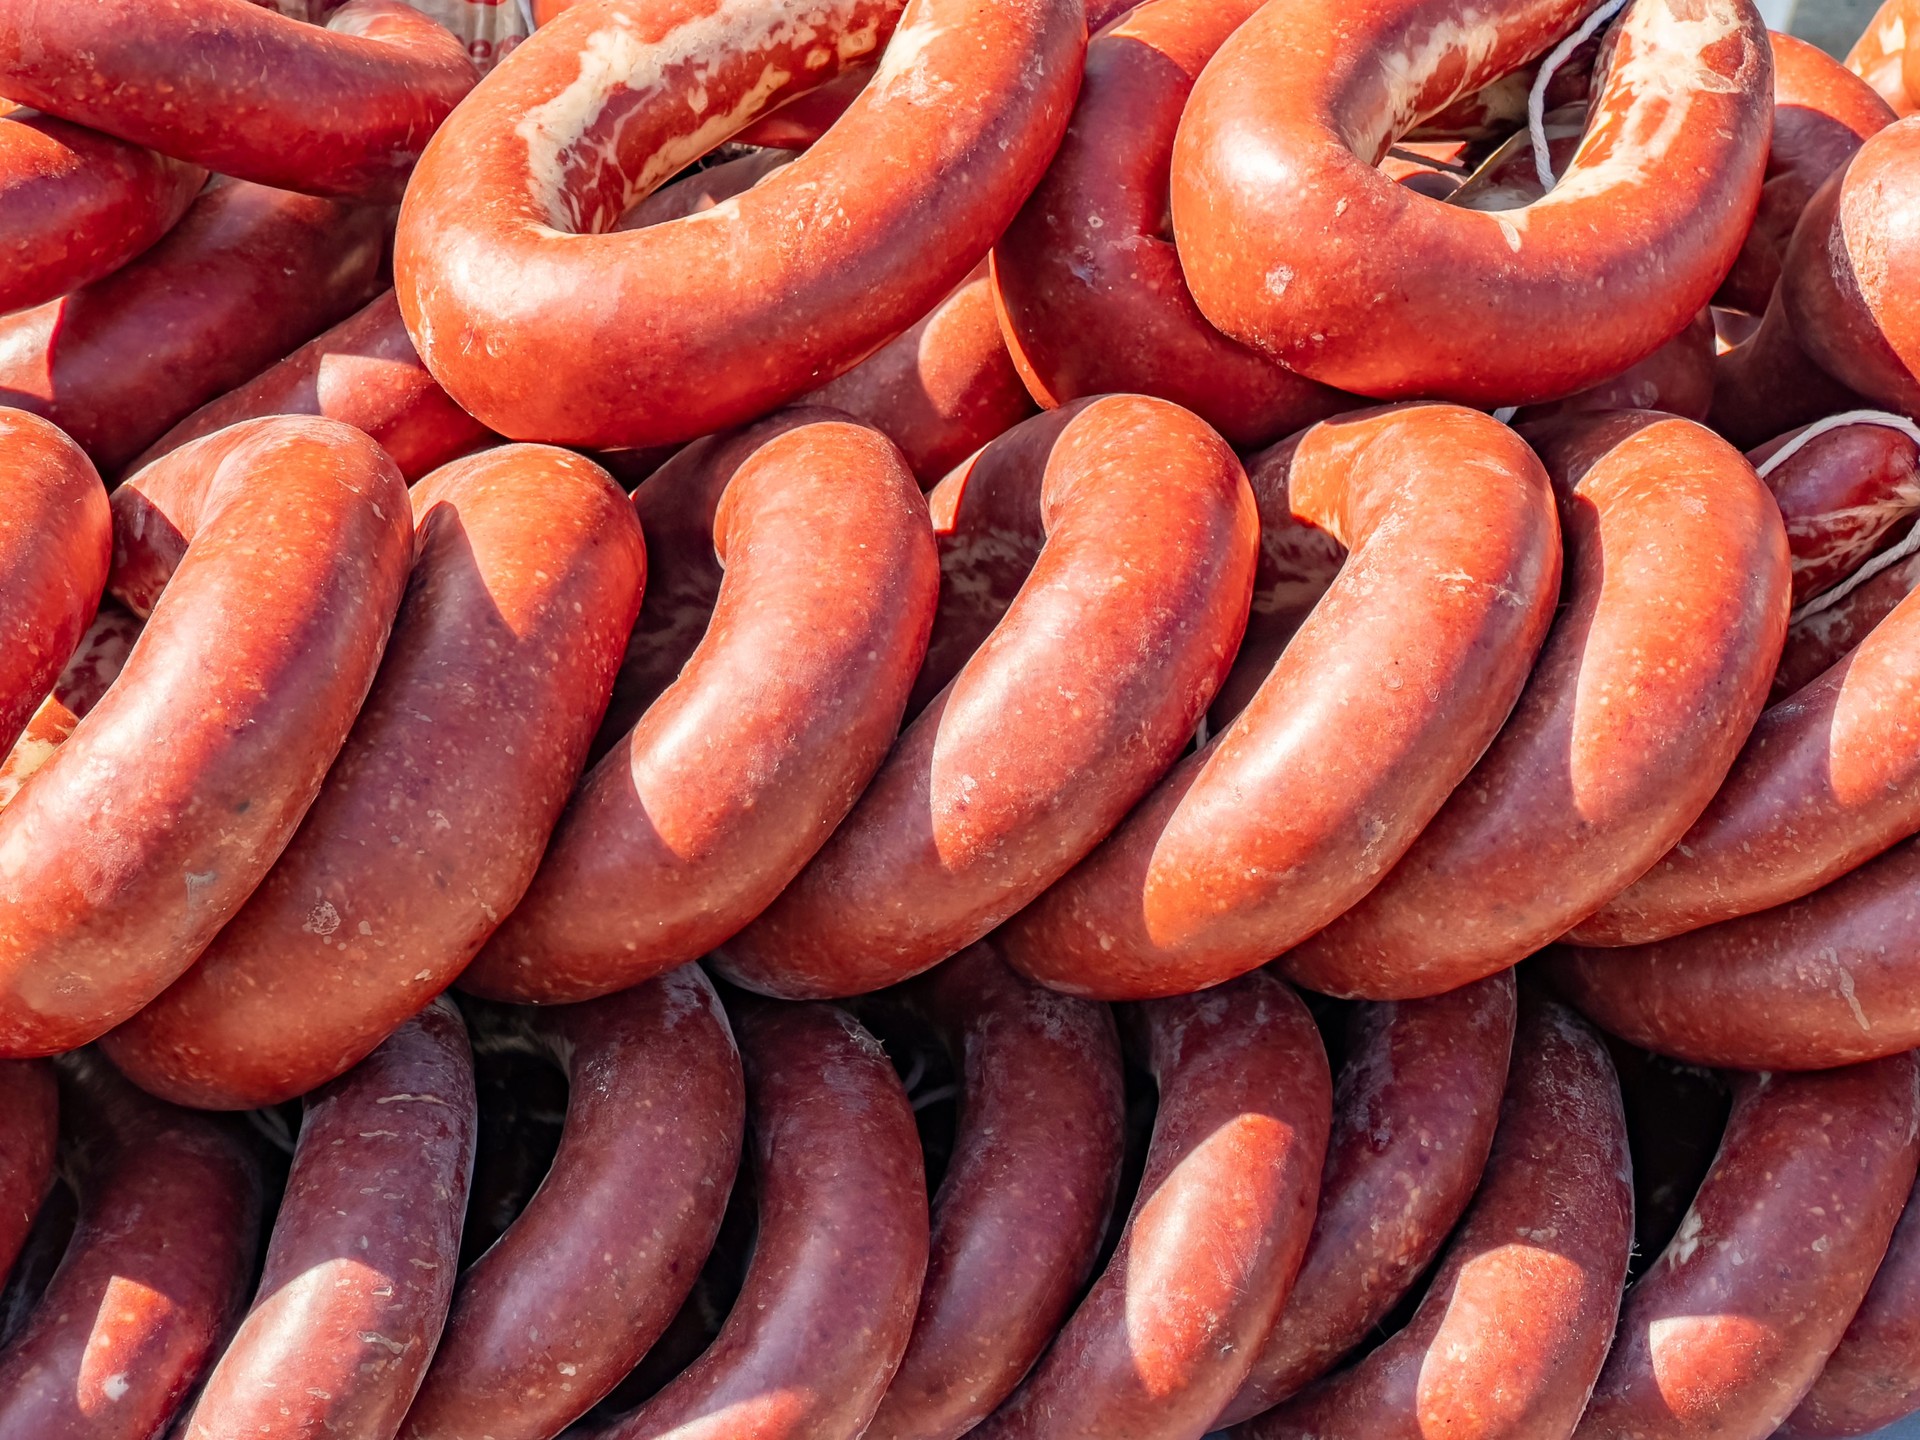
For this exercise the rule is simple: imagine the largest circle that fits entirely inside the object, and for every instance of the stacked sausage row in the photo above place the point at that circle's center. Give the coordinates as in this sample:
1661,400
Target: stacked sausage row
904,819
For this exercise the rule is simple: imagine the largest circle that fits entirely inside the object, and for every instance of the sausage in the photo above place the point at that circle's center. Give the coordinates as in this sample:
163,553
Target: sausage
433,819
154,1277
828,1303
1215,1235
341,110
248,274
1515,1323
1873,1376
739,771
1818,641
702,190
1841,491
56,542
29,1122
1359,283
363,372
1089,287
1036,750
360,1267
153,824
1498,108
1019,1217
1729,1328
103,654
1677,584
805,118
76,205
1413,1120
682,329
1378,708
1766,385
1878,56
1677,378
588,1276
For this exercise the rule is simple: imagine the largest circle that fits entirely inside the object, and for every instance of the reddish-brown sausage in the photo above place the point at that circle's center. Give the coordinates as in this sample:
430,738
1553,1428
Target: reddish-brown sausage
1675,608
1766,384
1841,491
123,857
1819,641
1515,1323
1086,691
1293,242
76,205
29,1119
1725,1333
1414,1114
1677,378
573,1294
1018,1219
1378,708
365,1244
154,1277
341,111
527,577
828,1303
248,274
546,330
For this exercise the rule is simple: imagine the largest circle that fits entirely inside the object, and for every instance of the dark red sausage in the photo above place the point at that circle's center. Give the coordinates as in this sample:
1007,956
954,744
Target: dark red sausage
1766,384
1841,491
1821,640
29,1121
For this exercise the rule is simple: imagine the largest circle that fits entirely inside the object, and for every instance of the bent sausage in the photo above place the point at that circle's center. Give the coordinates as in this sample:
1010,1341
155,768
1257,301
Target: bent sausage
587,1277
342,110
680,329
1676,602
1819,641
1414,1113
1216,1232
360,1267
1841,490
1730,1327
122,858
1378,708
29,1122
828,1303
1515,1323
1019,1217
526,580
1037,749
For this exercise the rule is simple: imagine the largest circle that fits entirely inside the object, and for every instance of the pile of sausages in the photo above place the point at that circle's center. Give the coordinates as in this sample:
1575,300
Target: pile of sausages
1016,718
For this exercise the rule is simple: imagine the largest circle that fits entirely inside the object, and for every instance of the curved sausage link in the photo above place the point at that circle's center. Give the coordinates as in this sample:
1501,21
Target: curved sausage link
1879,55
154,1277
1515,1323
612,98
1088,284
1414,1112
1729,1328
828,1303
740,770
1676,603
29,1122
1841,493
1378,707
587,1277
1360,283
341,110
526,580
1817,642
246,276
361,1264
1018,1220
166,809
76,205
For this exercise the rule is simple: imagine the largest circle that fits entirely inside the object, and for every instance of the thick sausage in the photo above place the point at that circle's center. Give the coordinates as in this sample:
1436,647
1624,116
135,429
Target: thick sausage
1725,1333
29,1121
1766,384
1515,1323
1360,283
154,1277
433,819
1376,710
342,110
1841,491
1819,641
1038,748
1676,603
1414,1113
1879,55
39,1257
587,1277
680,329
1089,287
126,853
1216,1232
828,1303
740,770
364,372
1018,1219
1677,378
76,205
248,274
361,1264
